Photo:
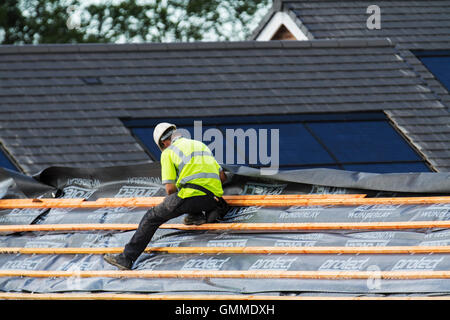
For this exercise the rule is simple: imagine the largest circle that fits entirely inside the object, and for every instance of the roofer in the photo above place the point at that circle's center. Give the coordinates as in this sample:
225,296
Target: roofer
193,182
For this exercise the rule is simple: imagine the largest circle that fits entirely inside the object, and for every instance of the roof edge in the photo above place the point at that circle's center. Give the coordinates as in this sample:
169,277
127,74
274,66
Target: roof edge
276,7
60,48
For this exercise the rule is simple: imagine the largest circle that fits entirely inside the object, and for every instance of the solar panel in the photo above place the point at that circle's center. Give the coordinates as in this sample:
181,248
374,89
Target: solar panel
356,142
5,162
438,63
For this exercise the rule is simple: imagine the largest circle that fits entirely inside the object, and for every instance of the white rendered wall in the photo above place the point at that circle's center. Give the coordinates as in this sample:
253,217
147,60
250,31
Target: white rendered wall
279,19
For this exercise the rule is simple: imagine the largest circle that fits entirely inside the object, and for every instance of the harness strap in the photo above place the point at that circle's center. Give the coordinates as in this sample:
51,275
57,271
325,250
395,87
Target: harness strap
200,188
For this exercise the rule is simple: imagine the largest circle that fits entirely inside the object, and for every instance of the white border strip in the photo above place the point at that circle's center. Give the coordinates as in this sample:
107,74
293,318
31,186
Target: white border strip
279,19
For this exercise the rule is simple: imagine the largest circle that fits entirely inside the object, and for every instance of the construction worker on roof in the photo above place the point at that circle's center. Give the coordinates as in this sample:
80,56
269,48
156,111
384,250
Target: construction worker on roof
193,181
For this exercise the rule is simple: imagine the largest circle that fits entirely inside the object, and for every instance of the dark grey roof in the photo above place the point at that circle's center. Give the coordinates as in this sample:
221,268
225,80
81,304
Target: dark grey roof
412,24
50,116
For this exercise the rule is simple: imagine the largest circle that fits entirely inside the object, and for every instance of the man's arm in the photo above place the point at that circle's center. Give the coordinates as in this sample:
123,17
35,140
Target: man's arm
223,176
168,173
171,188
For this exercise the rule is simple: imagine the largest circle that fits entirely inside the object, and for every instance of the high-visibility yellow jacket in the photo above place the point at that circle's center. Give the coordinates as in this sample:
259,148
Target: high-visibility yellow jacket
187,160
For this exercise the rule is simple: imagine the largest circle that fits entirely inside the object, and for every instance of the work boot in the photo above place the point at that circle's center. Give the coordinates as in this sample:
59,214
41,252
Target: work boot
196,219
213,216
118,260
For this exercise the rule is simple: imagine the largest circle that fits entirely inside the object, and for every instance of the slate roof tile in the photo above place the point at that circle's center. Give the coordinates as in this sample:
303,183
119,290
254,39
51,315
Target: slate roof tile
46,104
409,25
428,136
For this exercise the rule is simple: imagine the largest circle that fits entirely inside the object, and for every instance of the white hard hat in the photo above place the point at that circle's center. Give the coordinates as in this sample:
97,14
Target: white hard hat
161,130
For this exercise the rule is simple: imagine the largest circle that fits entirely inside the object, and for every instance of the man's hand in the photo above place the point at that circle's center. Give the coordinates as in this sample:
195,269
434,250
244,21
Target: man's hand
171,188
223,177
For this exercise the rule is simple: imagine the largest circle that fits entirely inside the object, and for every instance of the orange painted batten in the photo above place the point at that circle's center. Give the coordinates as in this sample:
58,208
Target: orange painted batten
392,225
238,250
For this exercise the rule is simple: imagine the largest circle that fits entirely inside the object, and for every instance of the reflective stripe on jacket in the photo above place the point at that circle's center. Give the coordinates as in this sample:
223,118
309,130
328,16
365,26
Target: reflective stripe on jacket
187,160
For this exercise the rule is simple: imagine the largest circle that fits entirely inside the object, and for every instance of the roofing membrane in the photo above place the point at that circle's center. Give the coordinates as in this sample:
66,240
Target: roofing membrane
290,257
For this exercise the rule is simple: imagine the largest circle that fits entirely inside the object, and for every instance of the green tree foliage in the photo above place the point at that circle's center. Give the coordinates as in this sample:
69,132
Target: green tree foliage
72,21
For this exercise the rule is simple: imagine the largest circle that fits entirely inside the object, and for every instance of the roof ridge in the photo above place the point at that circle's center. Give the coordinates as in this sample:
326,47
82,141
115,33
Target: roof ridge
250,44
